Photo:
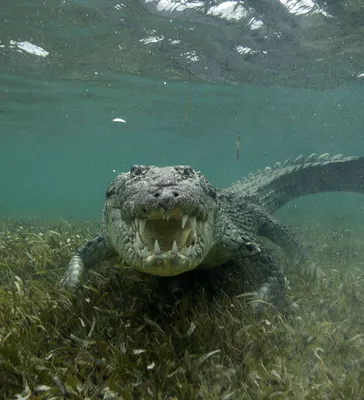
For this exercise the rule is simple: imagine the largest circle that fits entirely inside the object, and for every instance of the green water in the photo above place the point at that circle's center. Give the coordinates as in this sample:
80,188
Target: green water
59,148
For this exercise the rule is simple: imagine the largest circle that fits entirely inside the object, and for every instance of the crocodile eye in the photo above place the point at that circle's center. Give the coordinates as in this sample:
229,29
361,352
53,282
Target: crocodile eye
136,170
110,191
188,171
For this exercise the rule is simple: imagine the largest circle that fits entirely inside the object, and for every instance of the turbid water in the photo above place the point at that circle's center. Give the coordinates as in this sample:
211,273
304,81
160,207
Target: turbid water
61,148
66,73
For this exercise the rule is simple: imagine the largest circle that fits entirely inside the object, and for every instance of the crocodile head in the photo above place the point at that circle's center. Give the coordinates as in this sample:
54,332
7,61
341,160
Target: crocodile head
161,220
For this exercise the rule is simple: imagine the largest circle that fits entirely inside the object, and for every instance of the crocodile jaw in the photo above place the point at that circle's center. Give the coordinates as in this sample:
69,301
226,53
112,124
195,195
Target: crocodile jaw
164,244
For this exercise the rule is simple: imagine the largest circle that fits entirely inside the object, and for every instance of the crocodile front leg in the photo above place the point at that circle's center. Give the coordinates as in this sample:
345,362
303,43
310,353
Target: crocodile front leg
261,271
281,235
92,252
263,274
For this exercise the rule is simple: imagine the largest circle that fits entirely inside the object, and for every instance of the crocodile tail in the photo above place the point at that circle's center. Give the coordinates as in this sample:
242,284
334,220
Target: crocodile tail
274,187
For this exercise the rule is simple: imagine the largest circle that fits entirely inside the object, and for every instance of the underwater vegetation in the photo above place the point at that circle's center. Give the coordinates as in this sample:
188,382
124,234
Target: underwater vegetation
128,336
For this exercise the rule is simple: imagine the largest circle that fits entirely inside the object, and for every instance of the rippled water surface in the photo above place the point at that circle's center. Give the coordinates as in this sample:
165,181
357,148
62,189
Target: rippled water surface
188,77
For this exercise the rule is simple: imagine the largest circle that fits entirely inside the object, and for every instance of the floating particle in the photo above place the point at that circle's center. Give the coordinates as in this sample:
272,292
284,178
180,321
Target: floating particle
187,107
237,147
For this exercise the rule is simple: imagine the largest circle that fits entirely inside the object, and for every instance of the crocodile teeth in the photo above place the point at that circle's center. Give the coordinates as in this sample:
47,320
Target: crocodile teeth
174,248
157,249
140,244
142,223
145,252
191,238
165,216
192,221
184,220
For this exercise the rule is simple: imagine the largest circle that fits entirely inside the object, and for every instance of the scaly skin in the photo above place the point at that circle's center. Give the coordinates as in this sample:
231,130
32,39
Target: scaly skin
170,220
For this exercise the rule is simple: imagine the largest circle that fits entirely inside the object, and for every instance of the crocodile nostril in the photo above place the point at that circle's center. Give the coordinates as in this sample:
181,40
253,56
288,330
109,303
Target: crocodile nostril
165,193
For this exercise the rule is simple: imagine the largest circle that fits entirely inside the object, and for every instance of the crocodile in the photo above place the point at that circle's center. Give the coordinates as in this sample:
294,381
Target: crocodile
167,221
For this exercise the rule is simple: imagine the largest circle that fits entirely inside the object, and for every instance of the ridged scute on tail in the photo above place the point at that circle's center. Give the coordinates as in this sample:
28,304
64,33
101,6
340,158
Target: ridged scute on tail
273,187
